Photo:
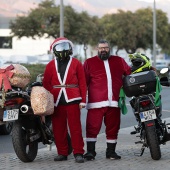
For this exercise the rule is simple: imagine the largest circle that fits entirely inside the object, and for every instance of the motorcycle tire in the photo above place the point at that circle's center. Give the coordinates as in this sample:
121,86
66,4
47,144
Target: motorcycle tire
24,151
6,128
152,140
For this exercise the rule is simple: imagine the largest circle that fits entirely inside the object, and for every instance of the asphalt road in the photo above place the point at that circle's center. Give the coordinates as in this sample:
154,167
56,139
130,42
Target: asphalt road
126,121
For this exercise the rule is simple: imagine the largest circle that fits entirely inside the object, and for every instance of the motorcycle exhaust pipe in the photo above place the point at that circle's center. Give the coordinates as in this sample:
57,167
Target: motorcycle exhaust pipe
24,108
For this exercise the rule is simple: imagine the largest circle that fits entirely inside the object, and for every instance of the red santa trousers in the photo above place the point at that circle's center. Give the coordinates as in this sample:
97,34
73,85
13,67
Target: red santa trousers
111,116
67,116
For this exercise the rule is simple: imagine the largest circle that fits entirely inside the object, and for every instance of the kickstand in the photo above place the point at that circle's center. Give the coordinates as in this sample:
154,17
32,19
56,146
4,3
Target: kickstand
142,150
49,146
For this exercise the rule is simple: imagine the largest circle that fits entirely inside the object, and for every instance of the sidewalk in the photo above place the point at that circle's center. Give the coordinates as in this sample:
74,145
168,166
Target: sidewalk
126,148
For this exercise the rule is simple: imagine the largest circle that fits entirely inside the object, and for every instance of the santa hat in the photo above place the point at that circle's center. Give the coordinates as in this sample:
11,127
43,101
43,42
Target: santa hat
60,40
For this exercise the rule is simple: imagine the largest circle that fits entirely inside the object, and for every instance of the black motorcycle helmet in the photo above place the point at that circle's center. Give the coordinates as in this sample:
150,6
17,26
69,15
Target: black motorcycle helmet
63,50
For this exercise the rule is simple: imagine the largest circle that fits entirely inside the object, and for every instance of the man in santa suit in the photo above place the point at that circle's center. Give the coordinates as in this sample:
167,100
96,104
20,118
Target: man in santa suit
104,74
64,77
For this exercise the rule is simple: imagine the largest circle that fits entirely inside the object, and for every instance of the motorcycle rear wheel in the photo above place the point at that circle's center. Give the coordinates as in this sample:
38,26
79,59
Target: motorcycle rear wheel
24,151
152,140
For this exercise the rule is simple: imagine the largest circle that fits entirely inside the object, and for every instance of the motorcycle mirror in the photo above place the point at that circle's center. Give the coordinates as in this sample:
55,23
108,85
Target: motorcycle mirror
164,70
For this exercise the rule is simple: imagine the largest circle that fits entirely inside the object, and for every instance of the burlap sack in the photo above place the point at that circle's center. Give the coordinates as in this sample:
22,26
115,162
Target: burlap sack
42,101
21,76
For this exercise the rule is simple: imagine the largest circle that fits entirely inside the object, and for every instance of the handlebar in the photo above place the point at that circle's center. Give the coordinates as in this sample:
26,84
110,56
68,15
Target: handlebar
164,81
40,78
164,77
15,92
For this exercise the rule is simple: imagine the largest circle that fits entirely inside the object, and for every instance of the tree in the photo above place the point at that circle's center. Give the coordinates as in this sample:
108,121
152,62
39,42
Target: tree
124,30
162,28
45,20
120,30
85,30
130,31
166,47
163,32
40,21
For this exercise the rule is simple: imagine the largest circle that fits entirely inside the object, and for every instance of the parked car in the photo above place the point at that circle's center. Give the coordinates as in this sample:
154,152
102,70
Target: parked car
162,64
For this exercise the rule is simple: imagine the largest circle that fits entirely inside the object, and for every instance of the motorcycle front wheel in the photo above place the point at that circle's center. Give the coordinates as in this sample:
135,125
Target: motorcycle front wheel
25,151
152,140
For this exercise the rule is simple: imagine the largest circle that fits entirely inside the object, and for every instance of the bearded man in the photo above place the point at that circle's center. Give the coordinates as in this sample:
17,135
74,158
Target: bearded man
104,74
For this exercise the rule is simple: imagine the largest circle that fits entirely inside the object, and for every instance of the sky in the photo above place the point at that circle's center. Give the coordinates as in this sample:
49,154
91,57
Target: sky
93,7
101,7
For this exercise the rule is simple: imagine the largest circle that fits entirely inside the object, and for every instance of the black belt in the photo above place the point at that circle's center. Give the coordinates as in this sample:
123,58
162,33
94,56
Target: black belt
66,86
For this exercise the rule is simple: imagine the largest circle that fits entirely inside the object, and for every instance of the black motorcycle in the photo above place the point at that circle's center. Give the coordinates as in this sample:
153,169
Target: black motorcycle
144,89
28,129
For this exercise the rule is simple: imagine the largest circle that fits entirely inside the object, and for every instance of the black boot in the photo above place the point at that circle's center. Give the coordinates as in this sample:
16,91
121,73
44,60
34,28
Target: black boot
110,151
60,158
90,155
79,158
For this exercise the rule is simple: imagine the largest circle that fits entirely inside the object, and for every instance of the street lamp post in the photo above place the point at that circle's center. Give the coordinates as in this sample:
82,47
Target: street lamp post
61,19
154,33
154,30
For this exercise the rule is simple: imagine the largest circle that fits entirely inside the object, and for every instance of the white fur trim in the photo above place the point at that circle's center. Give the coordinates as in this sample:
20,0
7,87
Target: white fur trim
63,82
56,67
91,139
111,141
58,98
102,104
109,80
66,72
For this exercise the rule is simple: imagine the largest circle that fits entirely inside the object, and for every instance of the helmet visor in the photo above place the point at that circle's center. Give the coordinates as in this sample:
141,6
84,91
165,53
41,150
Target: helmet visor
62,46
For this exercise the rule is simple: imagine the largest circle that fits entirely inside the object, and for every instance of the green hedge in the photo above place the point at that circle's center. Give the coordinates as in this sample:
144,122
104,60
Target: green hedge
34,70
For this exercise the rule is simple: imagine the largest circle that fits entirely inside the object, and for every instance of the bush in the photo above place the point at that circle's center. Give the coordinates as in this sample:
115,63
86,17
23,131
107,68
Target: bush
34,70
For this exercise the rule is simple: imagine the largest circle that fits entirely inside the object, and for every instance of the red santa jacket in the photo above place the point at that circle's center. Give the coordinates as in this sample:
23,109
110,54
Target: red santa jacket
104,80
74,75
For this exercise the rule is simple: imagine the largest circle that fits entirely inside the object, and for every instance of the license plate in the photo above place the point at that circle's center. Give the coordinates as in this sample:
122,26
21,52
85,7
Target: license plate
10,115
147,115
